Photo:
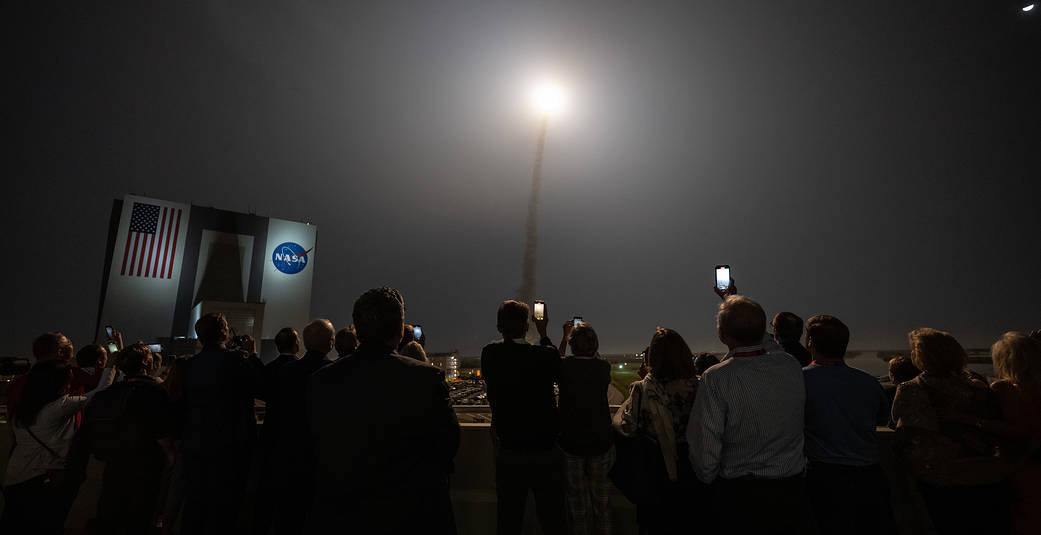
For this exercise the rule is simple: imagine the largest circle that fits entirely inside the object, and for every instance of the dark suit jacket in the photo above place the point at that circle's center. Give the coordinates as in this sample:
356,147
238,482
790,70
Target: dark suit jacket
217,389
384,435
271,370
519,379
289,385
799,351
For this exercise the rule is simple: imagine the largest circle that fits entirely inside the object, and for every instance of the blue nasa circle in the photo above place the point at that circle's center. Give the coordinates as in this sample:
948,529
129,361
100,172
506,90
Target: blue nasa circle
289,258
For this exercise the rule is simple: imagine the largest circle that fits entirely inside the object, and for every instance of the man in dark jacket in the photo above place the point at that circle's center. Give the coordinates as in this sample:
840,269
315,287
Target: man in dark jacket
291,470
128,427
287,341
787,332
215,394
384,432
519,378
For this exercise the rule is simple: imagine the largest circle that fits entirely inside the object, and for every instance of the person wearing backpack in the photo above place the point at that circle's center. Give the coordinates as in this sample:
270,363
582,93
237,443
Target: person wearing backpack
128,428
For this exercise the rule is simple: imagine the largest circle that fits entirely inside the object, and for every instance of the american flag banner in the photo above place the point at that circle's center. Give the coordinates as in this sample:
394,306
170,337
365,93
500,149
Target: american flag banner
151,241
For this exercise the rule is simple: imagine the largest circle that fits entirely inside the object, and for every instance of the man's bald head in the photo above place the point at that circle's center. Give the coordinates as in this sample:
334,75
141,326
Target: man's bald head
319,336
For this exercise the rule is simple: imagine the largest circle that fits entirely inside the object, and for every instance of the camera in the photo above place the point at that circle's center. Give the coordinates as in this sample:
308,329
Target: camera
239,342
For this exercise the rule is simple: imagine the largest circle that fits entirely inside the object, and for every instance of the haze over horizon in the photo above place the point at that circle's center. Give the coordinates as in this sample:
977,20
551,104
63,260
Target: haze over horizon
878,162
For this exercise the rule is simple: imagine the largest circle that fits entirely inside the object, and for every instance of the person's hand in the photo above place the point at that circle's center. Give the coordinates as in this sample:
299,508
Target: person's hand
423,339
117,338
567,328
541,325
249,345
723,294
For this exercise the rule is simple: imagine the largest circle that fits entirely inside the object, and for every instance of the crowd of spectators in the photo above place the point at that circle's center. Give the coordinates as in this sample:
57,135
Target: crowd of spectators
779,436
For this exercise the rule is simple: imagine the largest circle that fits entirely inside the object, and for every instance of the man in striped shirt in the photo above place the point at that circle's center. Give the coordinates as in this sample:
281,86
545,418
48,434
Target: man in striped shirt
746,428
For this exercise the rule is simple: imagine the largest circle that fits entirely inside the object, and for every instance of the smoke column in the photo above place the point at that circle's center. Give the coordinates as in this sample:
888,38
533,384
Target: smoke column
526,292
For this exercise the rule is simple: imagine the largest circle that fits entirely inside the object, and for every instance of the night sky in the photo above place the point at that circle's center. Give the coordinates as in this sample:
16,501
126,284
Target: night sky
878,161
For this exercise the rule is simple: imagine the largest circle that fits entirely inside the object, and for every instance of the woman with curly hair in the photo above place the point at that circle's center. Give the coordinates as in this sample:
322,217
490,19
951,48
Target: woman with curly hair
1017,362
955,464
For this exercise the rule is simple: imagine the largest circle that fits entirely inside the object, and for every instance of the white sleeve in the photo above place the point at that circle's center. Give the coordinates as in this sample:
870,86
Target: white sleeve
108,375
625,418
705,432
66,406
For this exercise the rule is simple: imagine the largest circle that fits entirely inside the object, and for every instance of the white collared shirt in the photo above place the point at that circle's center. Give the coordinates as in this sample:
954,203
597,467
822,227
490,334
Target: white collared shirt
747,418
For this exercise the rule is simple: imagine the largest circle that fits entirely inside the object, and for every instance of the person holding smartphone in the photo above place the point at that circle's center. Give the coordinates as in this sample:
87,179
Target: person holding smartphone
519,378
39,487
585,430
749,446
215,392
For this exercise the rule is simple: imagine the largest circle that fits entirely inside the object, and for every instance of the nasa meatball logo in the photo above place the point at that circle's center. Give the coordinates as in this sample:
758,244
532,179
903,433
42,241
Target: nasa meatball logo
290,258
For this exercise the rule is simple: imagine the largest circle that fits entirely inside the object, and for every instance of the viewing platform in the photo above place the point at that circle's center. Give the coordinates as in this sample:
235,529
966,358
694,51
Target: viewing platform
473,484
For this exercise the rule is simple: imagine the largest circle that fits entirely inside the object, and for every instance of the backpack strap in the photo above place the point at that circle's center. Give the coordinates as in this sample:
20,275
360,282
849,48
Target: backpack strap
40,442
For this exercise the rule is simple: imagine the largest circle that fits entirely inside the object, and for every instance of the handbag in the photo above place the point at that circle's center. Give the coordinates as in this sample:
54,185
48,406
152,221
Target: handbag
639,470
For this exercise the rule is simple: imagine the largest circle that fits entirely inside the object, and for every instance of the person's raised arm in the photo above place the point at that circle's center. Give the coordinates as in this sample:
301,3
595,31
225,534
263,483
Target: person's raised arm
568,325
253,369
705,433
108,376
69,405
723,294
117,338
541,326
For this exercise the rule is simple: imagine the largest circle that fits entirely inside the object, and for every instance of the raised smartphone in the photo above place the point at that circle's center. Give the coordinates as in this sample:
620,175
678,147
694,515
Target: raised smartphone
722,278
540,310
576,320
417,332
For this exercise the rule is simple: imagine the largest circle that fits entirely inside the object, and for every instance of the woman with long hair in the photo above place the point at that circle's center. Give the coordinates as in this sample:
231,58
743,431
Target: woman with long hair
658,407
43,425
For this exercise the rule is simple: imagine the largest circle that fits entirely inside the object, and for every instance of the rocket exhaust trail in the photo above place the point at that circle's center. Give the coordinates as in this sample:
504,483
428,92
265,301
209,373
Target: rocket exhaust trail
526,292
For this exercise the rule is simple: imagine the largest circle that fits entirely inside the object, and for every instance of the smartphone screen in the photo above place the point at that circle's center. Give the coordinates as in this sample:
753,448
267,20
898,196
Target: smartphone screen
722,277
155,348
540,310
576,320
417,332
112,349
108,331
